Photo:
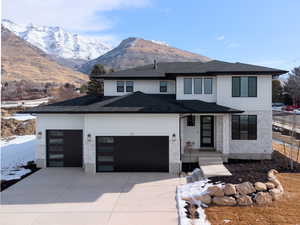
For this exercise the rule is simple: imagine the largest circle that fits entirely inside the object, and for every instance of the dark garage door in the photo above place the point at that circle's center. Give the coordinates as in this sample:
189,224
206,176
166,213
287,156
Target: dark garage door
132,153
64,148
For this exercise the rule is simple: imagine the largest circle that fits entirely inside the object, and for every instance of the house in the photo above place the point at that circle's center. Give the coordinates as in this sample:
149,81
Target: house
157,117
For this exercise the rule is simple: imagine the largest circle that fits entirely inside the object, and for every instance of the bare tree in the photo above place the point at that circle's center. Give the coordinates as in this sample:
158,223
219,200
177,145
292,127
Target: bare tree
292,85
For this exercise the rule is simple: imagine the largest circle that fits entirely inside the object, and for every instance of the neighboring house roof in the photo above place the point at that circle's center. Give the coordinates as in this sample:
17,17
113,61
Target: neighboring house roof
136,102
173,69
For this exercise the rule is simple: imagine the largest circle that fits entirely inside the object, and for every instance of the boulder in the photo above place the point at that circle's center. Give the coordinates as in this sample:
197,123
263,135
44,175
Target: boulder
263,198
245,188
206,199
244,200
276,193
224,200
270,185
215,191
259,186
229,189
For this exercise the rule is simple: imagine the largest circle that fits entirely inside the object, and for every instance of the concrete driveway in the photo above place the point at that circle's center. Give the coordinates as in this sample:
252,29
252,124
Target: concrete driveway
67,196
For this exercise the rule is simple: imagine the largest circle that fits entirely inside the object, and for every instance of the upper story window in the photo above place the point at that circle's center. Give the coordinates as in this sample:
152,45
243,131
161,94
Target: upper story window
244,127
129,86
188,85
163,86
121,86
208,85
245,86
198,85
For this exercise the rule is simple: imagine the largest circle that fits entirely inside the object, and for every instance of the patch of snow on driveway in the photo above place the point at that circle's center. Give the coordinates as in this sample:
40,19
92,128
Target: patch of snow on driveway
16,153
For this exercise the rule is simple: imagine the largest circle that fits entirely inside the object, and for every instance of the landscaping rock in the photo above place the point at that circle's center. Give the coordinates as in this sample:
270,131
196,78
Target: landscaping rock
206,199
229,189
229,201
276,193
215,191
263,198
244,200
245,188
259,186
270,185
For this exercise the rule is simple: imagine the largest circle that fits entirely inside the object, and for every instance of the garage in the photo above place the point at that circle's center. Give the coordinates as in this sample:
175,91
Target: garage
64,148
132,153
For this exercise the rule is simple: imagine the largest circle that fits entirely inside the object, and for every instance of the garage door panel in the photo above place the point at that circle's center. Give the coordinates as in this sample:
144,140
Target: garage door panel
137,153
64,148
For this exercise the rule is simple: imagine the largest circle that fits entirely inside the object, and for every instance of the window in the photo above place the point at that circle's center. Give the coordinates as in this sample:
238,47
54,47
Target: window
244,127
190,121
188,85
244,86
207,85
163,86
198,86
129,86
120,86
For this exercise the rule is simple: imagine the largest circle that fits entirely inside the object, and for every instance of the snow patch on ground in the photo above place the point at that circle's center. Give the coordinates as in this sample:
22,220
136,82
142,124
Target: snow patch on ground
193,190
15,153
20,117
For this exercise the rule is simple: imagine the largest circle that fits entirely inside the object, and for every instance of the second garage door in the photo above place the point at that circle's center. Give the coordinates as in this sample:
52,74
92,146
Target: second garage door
132,153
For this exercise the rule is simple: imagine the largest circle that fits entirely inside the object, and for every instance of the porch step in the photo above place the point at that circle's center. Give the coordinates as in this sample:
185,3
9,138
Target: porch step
210,160
215,170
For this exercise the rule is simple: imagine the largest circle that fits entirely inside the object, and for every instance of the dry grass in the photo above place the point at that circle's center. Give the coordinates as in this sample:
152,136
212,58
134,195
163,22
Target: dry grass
282,212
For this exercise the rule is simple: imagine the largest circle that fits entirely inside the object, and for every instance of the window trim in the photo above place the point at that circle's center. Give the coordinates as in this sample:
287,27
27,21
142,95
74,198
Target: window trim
124,88
163,88
240,86
250,136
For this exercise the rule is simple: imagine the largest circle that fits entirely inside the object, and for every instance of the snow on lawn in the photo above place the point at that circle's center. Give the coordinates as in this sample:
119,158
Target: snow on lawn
20,117
16,153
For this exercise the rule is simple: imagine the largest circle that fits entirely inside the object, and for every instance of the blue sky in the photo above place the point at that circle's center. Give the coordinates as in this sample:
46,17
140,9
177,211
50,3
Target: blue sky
262,32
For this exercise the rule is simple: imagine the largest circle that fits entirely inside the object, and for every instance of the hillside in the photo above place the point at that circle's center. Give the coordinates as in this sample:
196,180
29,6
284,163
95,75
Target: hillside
134,52
23,61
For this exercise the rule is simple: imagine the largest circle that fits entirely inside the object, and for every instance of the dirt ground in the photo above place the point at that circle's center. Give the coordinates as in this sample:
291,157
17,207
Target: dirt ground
282,212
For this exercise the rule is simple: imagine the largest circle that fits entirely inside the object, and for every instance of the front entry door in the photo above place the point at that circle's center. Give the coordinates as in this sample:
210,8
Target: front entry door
207,131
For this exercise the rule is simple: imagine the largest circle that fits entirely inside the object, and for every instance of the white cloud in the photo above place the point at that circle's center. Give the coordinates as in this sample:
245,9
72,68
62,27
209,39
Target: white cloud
73,15
220,38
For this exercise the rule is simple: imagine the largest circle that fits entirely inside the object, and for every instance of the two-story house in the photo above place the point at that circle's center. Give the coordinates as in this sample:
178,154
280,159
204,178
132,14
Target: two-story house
156,117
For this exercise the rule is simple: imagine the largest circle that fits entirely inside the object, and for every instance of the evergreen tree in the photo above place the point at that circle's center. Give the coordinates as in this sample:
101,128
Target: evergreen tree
95,85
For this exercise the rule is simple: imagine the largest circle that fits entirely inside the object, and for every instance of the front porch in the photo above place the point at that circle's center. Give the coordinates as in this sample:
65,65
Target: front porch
205,138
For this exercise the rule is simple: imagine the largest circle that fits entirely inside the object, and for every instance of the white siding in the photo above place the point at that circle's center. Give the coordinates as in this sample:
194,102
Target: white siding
203,97
263,101
146,86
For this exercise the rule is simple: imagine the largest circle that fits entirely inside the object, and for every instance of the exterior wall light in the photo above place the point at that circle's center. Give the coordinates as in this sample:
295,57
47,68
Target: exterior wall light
174,137
39,135
89,137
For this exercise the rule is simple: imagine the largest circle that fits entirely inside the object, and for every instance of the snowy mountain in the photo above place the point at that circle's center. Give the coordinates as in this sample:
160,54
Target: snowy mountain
58,42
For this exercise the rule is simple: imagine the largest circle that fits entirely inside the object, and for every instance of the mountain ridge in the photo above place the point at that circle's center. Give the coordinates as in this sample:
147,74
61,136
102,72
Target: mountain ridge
21,60
134,51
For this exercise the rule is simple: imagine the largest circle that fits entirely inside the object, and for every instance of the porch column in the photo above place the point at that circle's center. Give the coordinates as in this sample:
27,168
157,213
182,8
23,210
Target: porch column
226,134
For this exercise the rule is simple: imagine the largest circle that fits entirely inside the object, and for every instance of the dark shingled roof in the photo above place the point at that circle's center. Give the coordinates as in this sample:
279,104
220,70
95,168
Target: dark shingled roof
172,69
136,102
